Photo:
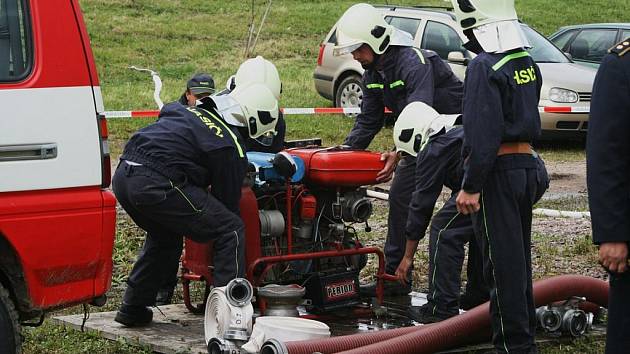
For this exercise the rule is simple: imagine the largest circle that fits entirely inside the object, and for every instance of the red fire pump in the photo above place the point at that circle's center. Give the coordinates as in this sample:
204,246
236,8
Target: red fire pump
301,230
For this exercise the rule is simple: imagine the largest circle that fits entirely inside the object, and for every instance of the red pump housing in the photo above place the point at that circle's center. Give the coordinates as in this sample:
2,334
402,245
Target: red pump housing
332,167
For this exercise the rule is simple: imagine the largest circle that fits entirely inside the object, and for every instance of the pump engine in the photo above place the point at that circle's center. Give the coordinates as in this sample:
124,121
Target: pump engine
301,214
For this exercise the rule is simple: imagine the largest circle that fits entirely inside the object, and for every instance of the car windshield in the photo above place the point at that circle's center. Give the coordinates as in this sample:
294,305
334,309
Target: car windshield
542,50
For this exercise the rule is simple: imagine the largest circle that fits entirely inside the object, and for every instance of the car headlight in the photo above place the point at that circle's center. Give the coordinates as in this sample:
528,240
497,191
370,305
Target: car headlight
561,95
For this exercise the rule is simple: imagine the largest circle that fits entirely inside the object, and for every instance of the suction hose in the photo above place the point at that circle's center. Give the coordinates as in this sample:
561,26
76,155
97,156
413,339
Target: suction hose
470,327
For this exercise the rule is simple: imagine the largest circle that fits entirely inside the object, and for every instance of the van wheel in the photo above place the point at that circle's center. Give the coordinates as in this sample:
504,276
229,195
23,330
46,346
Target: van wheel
349,93
10,337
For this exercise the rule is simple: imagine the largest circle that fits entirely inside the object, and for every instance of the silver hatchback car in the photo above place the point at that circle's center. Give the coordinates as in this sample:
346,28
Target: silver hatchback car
565,95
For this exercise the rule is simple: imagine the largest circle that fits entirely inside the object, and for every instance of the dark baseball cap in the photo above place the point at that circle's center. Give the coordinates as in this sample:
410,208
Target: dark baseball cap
201,83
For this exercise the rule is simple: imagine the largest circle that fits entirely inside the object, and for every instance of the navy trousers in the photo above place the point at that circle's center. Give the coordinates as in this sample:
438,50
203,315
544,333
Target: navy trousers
400,192
450,232
503,232
618,330
169,210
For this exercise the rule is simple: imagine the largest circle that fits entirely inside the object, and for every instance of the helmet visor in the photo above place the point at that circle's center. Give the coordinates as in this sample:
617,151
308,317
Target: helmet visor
266,139
229,108
345,49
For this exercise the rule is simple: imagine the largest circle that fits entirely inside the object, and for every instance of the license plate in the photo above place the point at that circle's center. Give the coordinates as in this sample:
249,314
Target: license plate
340,289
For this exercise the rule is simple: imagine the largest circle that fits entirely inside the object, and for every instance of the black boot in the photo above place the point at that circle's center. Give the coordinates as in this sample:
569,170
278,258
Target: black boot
164,297
134,315
429,313
390,289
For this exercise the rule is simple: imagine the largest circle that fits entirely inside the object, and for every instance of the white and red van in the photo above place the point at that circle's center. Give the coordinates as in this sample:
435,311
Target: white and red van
57,216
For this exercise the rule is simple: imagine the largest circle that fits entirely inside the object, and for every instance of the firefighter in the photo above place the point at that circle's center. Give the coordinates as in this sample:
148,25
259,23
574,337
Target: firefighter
256,70
420,131
608,168
396,74
163,180
199,86
261,70
500,182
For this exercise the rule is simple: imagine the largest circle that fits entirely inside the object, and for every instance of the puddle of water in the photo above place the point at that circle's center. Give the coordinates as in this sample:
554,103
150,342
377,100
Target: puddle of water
392,314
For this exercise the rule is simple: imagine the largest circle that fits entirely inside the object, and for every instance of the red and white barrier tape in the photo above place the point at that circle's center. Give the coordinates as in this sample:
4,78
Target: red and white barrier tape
286,111
564,109
322,110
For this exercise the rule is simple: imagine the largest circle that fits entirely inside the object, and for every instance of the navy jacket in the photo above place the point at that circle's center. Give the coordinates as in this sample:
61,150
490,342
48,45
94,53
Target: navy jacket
501,95
608,149
277,144
439,164
192,145
400,76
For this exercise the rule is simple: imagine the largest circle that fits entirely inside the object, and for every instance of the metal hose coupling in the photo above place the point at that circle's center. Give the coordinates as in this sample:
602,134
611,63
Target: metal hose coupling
274,346
220,346
229,312
239,292
565,318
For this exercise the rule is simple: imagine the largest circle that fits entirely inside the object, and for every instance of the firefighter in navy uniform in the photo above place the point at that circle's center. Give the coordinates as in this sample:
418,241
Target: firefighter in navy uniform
396,74
420,131
162,182
256,70
608,180
199,86
262,71
500,184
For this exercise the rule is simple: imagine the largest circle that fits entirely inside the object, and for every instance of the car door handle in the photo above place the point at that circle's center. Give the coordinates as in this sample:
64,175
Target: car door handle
28,152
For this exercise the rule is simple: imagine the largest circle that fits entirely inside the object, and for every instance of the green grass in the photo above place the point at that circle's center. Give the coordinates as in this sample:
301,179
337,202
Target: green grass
180,37
571,203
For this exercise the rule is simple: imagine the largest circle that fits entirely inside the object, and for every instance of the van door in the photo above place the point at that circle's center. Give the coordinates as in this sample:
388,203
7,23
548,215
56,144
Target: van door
51,203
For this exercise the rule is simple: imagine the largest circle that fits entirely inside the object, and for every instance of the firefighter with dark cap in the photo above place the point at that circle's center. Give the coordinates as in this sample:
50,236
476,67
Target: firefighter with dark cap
436,141
396,74
608,172
199,86
182,176
501,180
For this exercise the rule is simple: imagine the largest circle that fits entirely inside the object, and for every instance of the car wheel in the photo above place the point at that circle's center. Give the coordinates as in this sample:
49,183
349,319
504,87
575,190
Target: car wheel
349,93
10,337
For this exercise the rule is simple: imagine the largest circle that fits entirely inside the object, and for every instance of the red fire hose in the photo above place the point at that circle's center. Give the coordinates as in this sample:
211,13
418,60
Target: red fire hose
470,327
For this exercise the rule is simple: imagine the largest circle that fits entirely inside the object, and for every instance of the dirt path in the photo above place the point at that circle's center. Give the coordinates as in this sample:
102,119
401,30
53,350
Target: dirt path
567,178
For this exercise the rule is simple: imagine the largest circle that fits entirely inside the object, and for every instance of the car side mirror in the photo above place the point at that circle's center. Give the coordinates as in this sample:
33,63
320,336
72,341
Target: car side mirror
568,55
457,58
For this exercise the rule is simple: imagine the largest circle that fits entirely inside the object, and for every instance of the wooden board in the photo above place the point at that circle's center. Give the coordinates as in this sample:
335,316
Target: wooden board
176,330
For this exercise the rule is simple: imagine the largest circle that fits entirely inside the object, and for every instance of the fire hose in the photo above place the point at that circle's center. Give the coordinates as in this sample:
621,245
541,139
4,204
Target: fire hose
228,317
467,328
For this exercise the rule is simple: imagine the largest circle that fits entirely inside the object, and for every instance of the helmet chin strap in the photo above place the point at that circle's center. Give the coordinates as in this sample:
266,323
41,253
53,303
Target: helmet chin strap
472,44
372,65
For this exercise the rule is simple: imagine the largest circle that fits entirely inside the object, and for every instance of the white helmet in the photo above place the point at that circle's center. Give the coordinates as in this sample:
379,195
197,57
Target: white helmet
494,23
259,70
416,124
362,24
252,106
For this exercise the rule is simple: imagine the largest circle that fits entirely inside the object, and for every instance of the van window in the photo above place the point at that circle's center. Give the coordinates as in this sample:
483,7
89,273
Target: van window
441,39
409,25
15,52
625,34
